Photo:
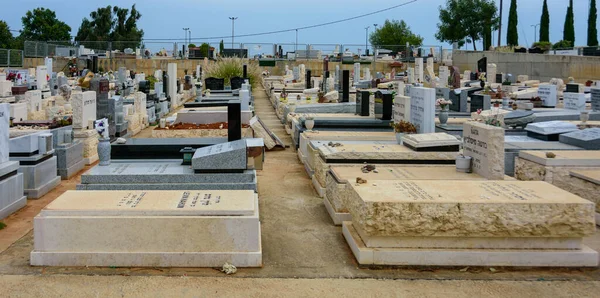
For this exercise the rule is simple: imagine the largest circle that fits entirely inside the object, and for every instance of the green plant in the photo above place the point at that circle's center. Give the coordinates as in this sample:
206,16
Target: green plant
544,45
569,29
191,45
563,44
506,83
512,35
152,80
592,30
403,127
2,225
545,23
227,68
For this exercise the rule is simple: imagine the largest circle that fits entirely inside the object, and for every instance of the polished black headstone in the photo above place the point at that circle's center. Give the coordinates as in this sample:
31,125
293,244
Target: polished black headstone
482,65
236,83
345,86
214,83
362,103
326,74
308,81
499,78
166,84
572,88
234,120
384,104
95,64
244,72
144,86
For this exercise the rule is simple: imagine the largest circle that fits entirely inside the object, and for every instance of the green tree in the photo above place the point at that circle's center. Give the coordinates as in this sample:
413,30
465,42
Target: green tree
394,35
6,38
569,29
469,20
115,24
41,24
204,49
592,39
545,23
221,47
512,35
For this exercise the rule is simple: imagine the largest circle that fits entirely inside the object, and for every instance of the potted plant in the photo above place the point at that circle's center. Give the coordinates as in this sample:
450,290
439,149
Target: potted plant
401,128
482,80
103,142
444,108
321,96
463,163
537,102
283,95
309,123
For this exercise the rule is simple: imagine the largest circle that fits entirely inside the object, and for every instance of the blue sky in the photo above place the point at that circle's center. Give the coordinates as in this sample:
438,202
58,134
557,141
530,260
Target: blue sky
164,19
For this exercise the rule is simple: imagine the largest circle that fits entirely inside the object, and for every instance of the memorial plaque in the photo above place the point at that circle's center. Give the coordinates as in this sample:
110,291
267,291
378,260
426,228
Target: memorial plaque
549,95
595,94
588,139
236,83
214,83
401,108
485,145
574,101
572,88
480,102
422,109
225,157
432,142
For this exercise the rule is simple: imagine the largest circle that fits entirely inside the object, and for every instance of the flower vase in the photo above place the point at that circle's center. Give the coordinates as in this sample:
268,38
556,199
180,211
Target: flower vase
463,164
584,116
399,136
482,83
309,124
104,151
444,115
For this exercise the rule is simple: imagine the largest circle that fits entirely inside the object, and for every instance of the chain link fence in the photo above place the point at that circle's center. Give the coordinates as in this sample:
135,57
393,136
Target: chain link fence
11,58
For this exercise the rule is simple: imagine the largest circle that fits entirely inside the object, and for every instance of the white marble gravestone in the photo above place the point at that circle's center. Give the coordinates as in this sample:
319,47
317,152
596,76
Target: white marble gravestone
419,70
41,74
34,100
548,94
595,97
356,73
574,101
84,108
367,74
485,145
172,83
410,72
492,70
422,109
4,131
444,73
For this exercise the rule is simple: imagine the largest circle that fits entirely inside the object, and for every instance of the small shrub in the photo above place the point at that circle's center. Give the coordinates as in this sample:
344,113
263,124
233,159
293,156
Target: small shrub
563,44
2,225
227,68
544,45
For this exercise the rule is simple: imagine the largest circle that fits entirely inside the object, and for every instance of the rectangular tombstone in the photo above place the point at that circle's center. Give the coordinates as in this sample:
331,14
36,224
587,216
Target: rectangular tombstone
480,102
34,100
225,157
444,74
459,101
422,109
442,92
362,103
574,101
432,142
485,145
84,108
4,132
595,94
234,120
588,139
401,108
549,95
419,70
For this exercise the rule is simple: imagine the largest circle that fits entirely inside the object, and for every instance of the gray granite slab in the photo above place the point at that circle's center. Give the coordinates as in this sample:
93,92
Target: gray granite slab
230,156
170,186
68,173
164,171
12,198
551,127
588,139
322,108
69,154
4,131
8,167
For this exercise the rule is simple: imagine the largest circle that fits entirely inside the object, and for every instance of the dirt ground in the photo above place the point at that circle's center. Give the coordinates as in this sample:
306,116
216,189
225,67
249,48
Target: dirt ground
304,254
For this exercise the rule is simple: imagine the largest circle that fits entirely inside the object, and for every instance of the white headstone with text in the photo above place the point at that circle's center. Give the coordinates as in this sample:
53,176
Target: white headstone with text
84,108
444,74
401,108
422,109
548,94
485,145
574,101
419,70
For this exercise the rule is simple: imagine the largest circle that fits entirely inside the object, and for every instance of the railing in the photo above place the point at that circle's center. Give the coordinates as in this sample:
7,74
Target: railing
11,58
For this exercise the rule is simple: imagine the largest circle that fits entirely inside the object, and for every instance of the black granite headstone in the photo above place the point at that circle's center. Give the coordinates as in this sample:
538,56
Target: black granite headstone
244,72
214,83
308,80
572,88
234,120
95,64
144,86
459,101
326,74
89,64
480,102
384,104
166,84
595,99
482,65
474,76
499,78
362,103
346,86
236,83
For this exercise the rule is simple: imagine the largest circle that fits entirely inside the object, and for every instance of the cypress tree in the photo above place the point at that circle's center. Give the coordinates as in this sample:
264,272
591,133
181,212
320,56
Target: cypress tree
545,23
592,39
569,29
512,35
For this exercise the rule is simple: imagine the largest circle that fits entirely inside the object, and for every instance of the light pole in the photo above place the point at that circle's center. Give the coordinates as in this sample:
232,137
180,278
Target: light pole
500,26
535,32
374,52
367,38
185,41
232,29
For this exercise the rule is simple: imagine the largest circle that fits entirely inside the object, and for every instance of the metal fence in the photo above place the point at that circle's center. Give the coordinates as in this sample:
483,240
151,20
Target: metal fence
11,58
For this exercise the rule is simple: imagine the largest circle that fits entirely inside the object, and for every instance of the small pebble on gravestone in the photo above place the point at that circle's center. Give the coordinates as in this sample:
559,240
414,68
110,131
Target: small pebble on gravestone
550,155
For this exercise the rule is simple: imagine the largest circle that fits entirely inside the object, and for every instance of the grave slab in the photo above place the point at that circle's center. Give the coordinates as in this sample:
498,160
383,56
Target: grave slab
231,156
118,228
549,130
563,158
440,142
588,139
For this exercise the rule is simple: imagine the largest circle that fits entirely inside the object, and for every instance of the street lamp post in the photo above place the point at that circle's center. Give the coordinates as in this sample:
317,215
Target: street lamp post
185,41
367,38
375,52
232,29
535,32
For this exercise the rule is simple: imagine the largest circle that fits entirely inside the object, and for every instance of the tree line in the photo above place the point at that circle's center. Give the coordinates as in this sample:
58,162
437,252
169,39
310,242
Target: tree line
106,24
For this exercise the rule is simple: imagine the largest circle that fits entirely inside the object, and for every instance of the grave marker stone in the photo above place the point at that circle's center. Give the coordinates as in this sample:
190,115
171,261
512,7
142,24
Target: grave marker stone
595,94
422,109
574,101
172,82
401,108
221,158
41,76
236,83
572,88
356,77
234,120
548,94
84,108
419,70
549,130
480,102
442,93
4,132
482,65
214,83
444,74
492,69
588,139
459,101
411,75
34,100
362,103
346,86
485,145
